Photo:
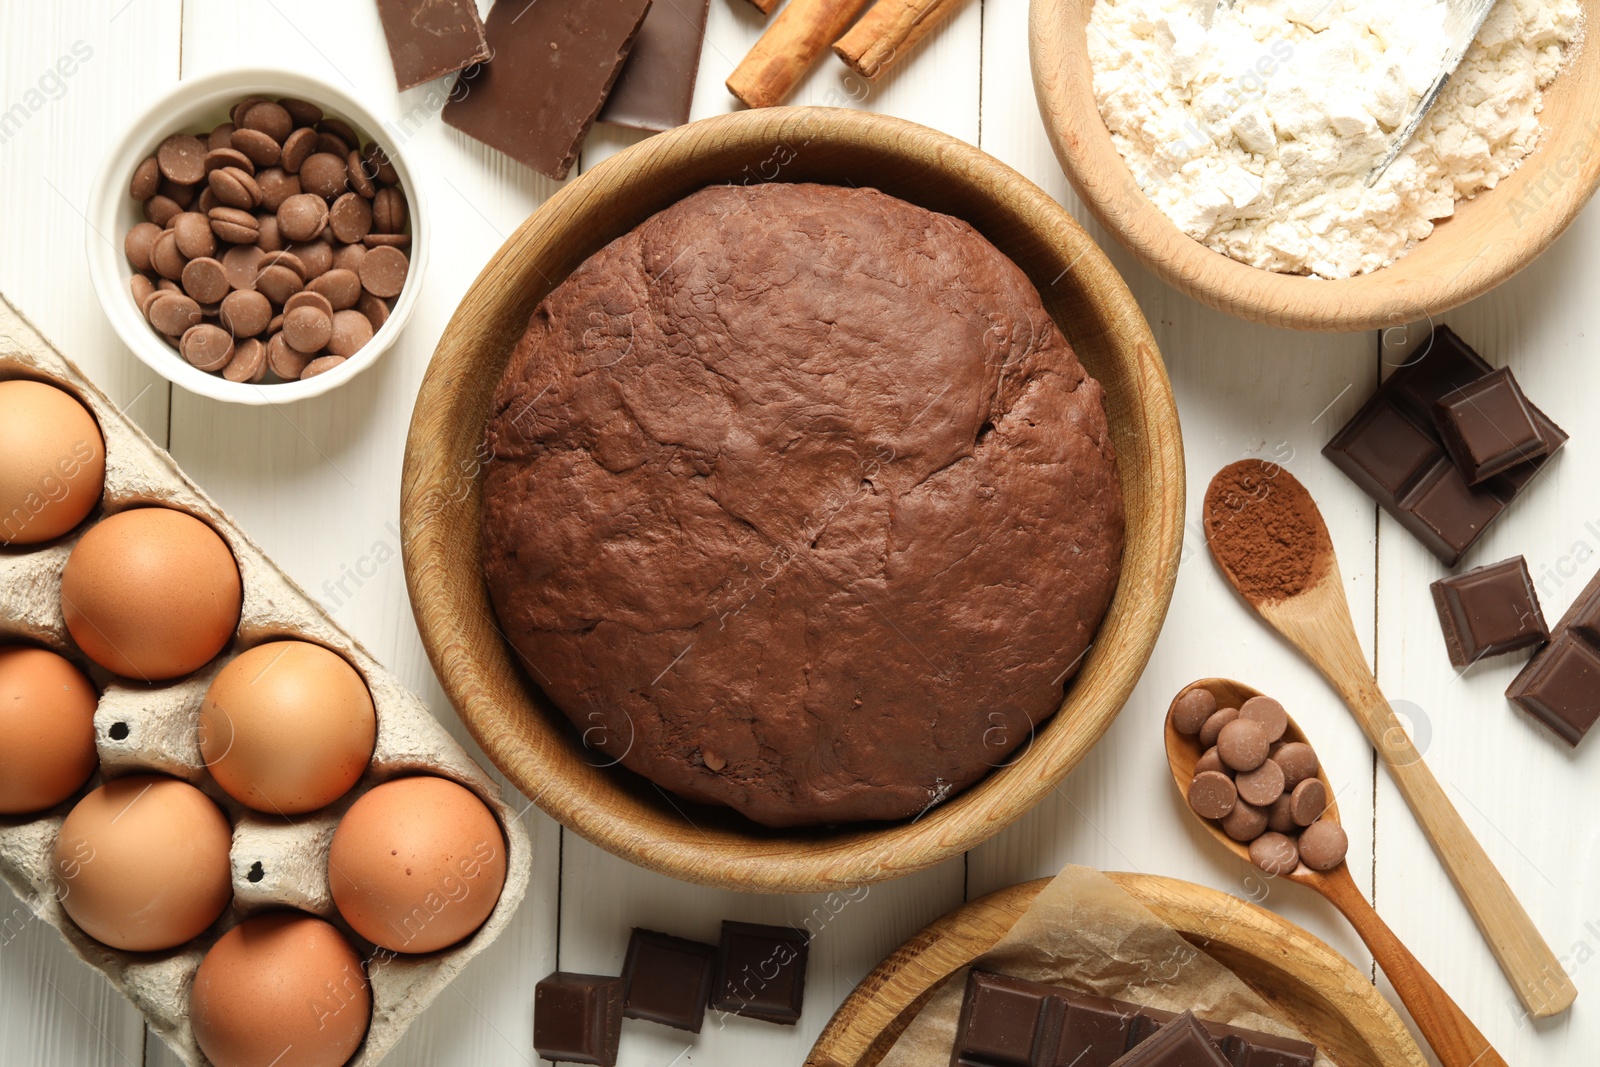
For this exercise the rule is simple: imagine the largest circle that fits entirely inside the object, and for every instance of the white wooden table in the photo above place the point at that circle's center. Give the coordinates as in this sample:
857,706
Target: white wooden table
317,484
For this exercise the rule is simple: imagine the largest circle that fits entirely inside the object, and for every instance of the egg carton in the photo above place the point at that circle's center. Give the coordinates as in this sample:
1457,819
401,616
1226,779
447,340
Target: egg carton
275,862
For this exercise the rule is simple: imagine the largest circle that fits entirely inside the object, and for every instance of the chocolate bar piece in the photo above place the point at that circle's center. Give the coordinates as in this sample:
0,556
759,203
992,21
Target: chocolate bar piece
1392,449
761,972
1488,426
577,1018
1489,612
1561,685
668,979
1012,1022
554,64
656,88
431,38
1180,1043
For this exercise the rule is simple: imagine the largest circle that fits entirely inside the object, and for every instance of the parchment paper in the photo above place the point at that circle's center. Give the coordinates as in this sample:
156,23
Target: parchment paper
1085,933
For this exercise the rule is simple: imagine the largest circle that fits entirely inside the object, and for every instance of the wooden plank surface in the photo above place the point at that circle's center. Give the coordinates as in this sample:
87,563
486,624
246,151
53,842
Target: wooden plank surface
317,485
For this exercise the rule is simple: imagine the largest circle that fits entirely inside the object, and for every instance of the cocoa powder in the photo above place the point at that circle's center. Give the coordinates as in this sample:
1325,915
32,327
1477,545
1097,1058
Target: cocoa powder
1265,531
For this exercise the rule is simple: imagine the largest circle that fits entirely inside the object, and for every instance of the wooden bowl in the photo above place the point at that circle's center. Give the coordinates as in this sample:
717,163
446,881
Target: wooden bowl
1315,989
528,738
1491,237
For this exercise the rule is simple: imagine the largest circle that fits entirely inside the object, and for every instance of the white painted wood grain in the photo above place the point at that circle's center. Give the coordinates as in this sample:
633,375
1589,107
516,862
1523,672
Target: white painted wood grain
53,1009
317,485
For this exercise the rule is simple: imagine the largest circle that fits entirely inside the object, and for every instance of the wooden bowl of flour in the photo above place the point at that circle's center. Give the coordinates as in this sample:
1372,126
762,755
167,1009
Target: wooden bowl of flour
531,741
1490,238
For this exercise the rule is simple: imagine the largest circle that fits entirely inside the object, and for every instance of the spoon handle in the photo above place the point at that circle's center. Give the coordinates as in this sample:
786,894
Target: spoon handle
1446,1027
1328,638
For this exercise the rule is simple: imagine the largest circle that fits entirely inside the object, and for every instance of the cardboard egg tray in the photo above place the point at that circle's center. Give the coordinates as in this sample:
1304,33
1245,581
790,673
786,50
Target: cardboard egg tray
276,862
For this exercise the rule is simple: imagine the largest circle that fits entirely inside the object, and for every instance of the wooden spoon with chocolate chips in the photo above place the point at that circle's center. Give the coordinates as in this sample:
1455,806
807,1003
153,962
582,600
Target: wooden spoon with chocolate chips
1269,539
1455,1040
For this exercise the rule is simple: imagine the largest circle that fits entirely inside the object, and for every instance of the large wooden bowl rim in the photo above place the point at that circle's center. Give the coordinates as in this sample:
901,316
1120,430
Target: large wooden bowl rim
1335,1006
527,738
1490,238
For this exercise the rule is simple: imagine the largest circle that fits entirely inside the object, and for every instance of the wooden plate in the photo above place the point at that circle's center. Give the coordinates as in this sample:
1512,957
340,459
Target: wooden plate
1311,986
1491,237
529,739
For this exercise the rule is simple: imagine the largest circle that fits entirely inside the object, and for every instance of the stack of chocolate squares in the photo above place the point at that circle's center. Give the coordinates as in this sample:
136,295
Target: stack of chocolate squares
1010,1022
756,971
537,76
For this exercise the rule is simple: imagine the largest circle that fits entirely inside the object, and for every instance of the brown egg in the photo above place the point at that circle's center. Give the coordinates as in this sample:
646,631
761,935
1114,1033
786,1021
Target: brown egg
417,864
46,730
141,863
52,462
280,990
287,727
151,593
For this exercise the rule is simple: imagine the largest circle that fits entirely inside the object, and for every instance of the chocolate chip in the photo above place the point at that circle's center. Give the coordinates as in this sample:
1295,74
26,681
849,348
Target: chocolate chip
389,211
1245,822
173,313
1212,795
182,159
1280,816
207,347
321,365
297,149
1214,725
333,145
1263,785
270,118
1210,761
1275,853
1308,801
351,330
142,288
348,257
234,225
324,174
1242,744
288,259
378,164
262,149
1298,761
284,361
269,239
162,210
387,240
316,255
241,264
245,312
1269,713
221,137
360,180
194,235
278,283
350,218
340,129
146,180
302,217
218,158
383,272
303,112
249,363
307,329
308,298
1192,710
1323,845
205,280
341,287
138,243
234,188
238,110
165,257
206,201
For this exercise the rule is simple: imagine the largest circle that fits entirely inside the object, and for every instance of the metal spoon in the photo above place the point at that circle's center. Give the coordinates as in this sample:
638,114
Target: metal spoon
1444,1025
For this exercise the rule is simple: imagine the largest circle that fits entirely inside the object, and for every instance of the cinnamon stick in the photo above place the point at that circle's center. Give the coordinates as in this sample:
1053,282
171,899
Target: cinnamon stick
890,30
801,32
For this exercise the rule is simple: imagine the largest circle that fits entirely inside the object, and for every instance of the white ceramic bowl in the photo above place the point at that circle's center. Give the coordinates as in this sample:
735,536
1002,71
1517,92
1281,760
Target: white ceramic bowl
196,105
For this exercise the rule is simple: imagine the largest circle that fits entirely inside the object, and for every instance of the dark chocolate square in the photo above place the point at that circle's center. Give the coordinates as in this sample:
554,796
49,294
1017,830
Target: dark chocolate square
1005,1022
655,90
1383,451
1444,364
577,1018
1489,612
667,979
1488,427
431,38
1561,687
1095,1031
761,972
1447,514
1180,1043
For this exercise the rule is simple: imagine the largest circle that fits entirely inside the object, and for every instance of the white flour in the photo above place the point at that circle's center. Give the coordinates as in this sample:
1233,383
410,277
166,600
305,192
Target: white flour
1256,136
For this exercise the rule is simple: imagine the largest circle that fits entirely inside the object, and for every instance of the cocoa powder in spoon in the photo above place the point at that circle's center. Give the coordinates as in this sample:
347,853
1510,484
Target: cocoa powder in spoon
1265,531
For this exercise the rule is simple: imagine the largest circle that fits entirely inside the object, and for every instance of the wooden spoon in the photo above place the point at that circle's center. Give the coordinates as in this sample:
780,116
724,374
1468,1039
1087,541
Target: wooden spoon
1276,524
1444,1025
